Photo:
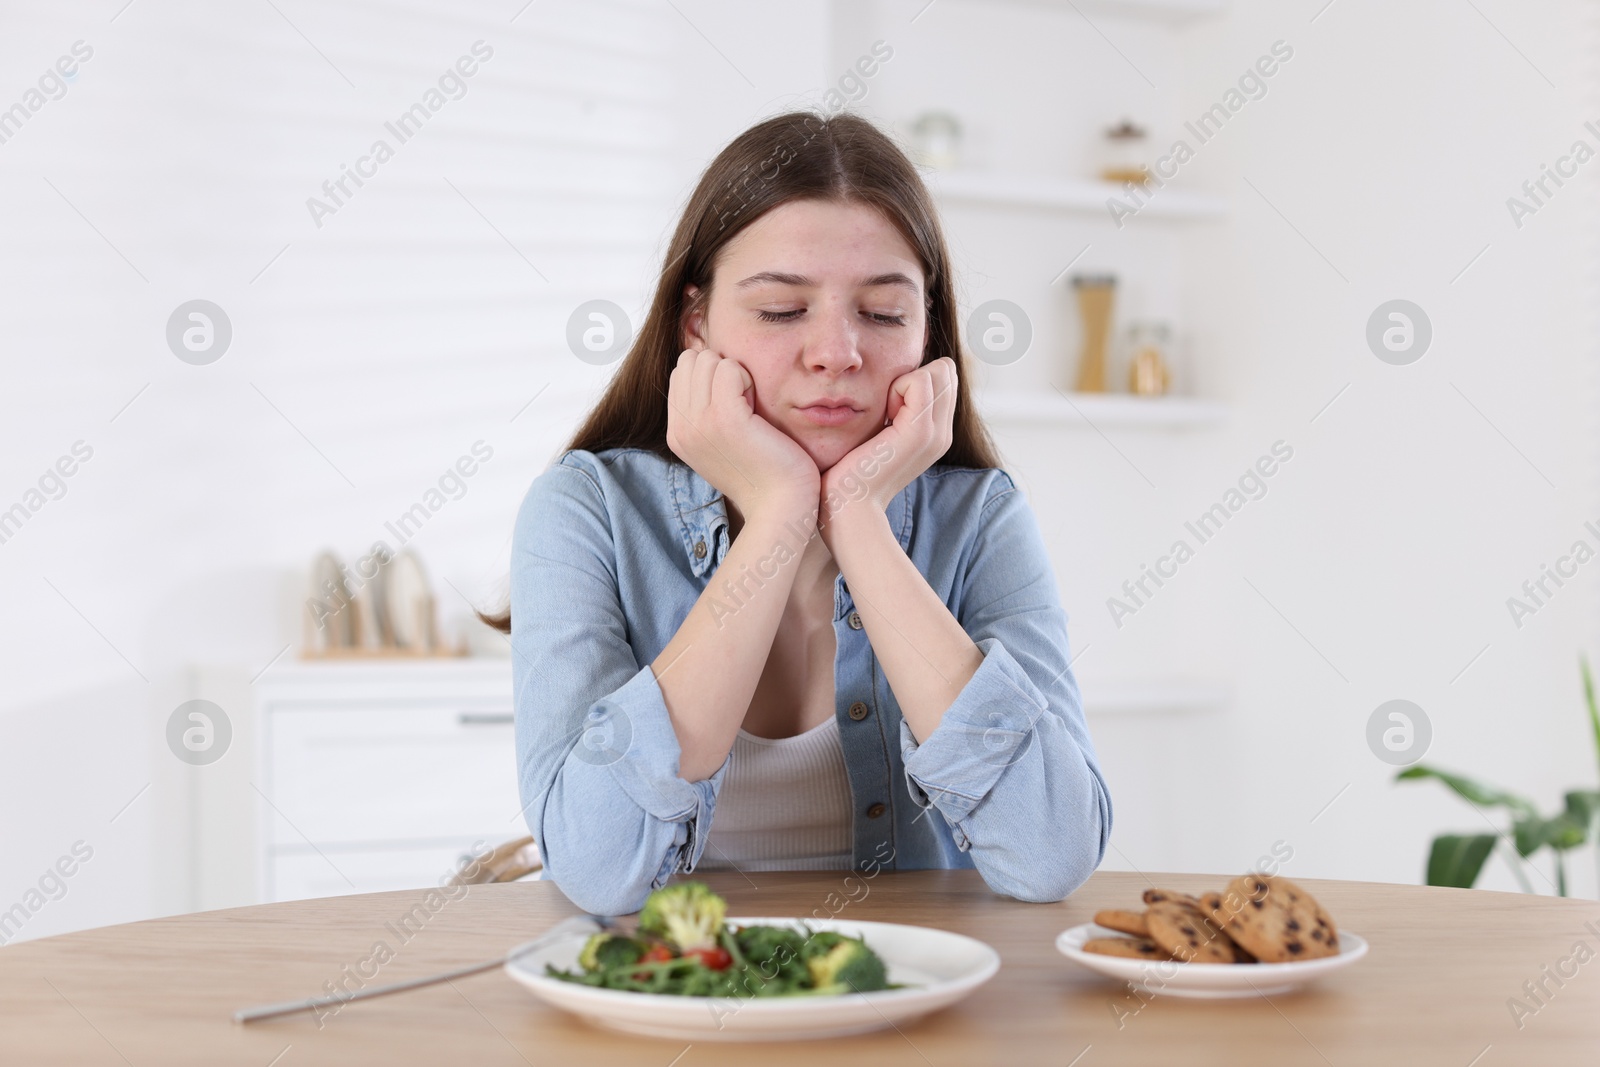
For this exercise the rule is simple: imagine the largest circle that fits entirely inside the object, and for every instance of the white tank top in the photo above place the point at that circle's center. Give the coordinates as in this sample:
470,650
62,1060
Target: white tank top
784,805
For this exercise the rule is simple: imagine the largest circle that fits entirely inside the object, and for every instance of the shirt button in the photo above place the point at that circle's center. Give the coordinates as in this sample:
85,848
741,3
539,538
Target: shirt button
699,550
859,711
876,811
855,620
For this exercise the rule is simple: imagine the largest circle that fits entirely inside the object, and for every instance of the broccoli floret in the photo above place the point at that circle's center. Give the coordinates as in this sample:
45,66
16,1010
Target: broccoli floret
763,943
606,950
773,960
821,943
848,967
688,914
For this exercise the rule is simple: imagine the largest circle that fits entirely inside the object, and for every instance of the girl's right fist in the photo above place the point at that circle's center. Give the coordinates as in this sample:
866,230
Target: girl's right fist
713,427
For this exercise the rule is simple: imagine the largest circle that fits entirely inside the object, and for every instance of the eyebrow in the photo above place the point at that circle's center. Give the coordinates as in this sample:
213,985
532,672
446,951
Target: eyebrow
778,277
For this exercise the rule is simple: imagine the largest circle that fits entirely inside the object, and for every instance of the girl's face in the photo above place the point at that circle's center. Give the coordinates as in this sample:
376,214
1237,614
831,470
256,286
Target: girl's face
823,304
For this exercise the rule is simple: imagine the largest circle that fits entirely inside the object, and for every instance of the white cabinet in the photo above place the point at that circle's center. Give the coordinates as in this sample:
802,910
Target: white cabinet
298,874
380,775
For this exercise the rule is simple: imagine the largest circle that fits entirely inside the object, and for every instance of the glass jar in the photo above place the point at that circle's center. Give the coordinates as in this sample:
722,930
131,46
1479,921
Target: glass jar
936,140
1124,154
1149,345
1096,295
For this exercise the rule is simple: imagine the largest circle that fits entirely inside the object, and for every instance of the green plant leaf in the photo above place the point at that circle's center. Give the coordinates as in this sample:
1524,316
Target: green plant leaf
1583,804
1456,859
1560,833
1484,796
1588,699
1566,832
1526,833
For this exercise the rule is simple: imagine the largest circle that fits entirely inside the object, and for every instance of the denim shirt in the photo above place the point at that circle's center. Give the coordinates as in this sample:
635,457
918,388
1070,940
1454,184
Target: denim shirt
610,552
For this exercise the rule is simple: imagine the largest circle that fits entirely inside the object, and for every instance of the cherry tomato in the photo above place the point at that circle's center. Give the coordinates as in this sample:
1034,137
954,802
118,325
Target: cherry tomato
653,954
715,957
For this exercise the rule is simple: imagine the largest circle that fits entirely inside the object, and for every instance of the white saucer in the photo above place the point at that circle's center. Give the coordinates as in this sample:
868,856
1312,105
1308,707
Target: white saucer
1206,980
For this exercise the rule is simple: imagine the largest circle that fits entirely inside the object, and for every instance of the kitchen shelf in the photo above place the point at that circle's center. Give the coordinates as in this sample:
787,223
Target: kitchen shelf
1157,697
1047,406
1176,11
1080,195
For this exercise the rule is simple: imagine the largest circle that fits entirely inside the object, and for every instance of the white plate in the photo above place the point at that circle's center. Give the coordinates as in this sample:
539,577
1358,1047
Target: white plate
941,966
408,602
329,588
1209,980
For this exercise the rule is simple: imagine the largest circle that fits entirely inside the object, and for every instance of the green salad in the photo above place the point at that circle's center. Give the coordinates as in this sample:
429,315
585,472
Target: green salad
682,946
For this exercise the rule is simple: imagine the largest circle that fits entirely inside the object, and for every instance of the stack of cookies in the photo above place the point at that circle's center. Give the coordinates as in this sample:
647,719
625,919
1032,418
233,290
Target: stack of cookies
1257,918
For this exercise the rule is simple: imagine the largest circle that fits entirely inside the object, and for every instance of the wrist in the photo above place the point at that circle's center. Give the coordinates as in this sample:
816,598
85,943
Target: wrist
838,508
851,525
796,514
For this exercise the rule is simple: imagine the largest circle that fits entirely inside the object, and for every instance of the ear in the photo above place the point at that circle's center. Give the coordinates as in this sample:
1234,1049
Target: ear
694,323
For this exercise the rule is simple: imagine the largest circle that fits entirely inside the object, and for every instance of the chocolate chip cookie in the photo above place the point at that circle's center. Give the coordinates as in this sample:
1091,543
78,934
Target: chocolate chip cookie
1137,948
1183,930
1124,922
1273,919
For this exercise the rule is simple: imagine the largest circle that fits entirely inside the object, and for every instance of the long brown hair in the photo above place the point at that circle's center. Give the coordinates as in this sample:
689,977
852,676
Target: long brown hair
799,155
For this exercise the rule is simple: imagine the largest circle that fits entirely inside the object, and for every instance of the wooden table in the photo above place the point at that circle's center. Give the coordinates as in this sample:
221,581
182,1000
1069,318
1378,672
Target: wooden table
1434,989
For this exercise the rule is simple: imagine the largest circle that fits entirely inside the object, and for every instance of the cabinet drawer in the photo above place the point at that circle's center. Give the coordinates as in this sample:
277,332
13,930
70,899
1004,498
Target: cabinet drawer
302,874
342,773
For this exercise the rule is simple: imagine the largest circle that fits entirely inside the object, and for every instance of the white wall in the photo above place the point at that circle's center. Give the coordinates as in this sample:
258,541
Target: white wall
1390,141
406,328
391,338
1424,497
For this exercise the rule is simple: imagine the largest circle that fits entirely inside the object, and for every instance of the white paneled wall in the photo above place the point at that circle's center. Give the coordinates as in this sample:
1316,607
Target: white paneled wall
368,353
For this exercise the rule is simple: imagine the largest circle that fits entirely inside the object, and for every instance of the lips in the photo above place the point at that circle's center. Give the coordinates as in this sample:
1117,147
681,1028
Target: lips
831,402
830,412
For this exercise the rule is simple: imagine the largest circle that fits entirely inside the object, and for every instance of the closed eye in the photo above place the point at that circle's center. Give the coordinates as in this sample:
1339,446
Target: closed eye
787,316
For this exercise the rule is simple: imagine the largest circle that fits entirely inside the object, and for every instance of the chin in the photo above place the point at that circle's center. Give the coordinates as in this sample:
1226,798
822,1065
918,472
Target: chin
826,456
824,448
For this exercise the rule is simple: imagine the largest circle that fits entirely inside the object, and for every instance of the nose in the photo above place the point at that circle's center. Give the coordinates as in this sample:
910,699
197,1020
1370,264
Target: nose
833,345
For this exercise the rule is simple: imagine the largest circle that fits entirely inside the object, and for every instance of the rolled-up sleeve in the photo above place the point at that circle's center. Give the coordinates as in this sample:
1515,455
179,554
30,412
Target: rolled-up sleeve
597,756
1011,767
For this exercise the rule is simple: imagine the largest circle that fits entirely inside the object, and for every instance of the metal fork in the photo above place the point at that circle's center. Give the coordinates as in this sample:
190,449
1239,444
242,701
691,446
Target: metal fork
561,929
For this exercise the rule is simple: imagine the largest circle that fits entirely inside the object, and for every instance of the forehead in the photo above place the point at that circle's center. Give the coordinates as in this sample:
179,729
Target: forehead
823,240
